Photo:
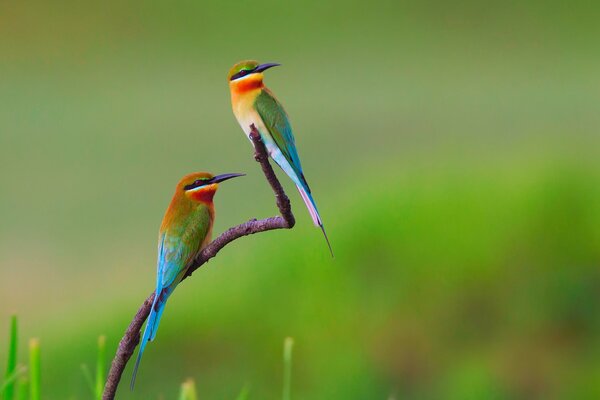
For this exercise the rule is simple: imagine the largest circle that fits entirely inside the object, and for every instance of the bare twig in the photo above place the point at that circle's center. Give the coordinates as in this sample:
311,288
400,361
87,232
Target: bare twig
131,338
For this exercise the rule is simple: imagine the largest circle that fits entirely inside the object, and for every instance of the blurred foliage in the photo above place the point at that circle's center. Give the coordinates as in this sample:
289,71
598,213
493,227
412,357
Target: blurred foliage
7,389
452,149
15,381
96,386
288,346
188,391
35,378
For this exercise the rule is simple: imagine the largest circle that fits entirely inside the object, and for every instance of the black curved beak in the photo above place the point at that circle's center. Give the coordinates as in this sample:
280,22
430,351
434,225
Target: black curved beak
263,67
224,177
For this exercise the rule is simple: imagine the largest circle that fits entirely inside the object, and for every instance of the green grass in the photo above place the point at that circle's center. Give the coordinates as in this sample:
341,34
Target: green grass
100,367
21,389
188,391
35,378
188,388
10,377
15,381
288,346
96,386
244,393
14,378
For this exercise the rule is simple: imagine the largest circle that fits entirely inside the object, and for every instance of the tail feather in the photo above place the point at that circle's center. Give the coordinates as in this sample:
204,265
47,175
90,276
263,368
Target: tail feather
310,204
314,213
158,306
298,178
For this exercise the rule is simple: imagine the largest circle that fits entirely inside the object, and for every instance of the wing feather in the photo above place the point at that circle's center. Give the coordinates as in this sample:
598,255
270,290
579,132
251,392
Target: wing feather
178,244
277,122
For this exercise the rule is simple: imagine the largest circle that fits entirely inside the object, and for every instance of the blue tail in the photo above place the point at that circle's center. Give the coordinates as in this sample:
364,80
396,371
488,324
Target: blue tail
298,177
312,209
158,306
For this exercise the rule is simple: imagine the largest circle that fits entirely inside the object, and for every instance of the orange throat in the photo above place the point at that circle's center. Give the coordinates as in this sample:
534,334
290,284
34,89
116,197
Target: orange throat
248,84
204,194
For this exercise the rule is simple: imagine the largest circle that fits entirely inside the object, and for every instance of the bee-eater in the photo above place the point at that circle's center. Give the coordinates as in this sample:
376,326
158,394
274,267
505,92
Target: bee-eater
186,228
254,104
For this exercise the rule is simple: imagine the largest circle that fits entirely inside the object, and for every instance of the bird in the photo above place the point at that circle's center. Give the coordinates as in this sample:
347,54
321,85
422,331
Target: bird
255,105
186,229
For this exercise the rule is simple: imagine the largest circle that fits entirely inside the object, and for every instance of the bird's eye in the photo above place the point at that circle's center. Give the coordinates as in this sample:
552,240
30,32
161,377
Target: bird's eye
241,73
196,184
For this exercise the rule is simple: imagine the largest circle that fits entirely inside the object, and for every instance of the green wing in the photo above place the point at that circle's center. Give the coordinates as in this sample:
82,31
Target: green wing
277,122
179,244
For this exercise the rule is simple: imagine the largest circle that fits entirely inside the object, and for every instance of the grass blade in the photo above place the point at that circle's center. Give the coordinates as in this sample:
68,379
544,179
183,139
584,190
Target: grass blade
100,367
22,388
243,393
88,378
188,390
12,379
288,346
9,385
34,369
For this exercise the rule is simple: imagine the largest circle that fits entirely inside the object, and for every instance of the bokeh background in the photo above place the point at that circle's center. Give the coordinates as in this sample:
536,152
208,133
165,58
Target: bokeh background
453,149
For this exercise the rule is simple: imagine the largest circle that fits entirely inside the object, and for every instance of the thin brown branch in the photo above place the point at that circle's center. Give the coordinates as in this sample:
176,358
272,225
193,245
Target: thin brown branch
127,345
285,221
131,338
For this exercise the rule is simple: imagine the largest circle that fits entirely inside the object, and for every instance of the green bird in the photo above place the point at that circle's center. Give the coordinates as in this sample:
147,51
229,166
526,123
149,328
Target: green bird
254,104
186,228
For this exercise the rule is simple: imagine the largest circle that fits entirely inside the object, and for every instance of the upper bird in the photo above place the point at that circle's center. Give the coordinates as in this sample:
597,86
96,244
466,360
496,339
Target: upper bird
254,104
185,229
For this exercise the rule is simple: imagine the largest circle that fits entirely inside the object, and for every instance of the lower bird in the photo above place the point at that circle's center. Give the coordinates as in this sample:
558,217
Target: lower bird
255,105
186,228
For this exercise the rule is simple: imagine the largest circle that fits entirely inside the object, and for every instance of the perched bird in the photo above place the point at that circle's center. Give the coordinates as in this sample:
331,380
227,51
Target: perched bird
185,229
254,104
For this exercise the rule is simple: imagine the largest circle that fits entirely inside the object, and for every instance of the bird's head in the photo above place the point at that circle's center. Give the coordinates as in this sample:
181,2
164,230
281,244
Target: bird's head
247,75
202,186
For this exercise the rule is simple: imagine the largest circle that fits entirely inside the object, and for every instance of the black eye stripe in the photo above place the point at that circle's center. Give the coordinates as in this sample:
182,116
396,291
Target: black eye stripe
197,183
242,73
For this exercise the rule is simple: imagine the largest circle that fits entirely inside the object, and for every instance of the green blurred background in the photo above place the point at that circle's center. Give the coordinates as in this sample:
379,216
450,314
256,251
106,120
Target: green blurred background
453,149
